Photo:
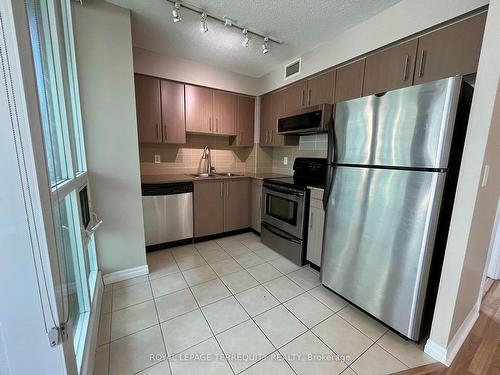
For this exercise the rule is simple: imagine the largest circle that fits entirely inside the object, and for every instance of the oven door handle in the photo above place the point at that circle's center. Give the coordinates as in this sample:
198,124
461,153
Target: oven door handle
283,190
281,234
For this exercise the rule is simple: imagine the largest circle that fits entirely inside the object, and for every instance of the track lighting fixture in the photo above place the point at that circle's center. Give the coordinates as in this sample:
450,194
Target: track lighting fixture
225,20
203,23
245,41
265,48
176,13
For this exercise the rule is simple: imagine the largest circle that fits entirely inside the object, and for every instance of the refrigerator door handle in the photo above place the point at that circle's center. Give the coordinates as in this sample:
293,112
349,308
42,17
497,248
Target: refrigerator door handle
331,157
330,175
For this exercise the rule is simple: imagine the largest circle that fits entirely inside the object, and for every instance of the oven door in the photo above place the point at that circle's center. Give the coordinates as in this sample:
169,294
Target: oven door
284,208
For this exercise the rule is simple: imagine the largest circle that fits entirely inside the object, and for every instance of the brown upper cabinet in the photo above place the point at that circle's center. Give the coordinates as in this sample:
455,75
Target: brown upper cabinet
160,110
225,113
321,89
349,81
172,112
148,103
198,109
245,123
210,111
451,50
272,106
293,97
391,68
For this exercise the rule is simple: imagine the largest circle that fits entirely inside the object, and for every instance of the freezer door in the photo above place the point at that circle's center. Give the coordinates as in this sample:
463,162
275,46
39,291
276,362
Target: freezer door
379,234
409,127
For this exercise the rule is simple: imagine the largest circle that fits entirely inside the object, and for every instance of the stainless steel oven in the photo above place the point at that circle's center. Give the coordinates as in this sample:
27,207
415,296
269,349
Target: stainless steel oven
283,207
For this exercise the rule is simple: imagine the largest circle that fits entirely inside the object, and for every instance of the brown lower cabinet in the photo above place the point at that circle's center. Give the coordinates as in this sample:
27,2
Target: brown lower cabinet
221,206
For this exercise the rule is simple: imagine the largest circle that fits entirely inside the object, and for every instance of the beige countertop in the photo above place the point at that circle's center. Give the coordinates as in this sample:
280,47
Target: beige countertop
168,178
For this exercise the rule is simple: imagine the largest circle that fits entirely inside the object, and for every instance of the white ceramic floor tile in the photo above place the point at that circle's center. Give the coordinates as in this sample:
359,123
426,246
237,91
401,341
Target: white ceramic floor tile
283,288
226,267
162,368
256,300
227,243
101,360
107,299
342,338
214,256
190,261
133,319
309,310
175,304
131,354
206,245
210,291
225,314
131,295
168,284
264,272
329,298
180,252
199,275
249,260
104,333
280,326
245,344
305,278
239,281
238,251
160,256
406,351
376,361
266,253
129,282
309,356
205,358
254,245
284,265
185,331
160,269
369,326
273,364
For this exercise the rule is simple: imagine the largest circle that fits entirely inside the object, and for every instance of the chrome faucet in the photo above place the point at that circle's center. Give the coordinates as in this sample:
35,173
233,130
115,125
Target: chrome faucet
206,155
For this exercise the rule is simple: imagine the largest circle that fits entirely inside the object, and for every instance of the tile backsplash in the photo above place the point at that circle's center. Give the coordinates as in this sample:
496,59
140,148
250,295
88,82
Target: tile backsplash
182,159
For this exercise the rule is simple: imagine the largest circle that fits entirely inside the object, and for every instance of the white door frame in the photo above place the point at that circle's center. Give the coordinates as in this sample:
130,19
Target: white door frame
493,270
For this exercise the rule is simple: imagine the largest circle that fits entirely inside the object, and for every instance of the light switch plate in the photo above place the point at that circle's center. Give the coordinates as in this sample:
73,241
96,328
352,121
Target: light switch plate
285,160
486,174
157,159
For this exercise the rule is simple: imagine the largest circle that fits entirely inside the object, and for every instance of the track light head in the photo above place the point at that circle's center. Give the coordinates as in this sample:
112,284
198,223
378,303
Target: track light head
246,40
176,13
203,23
265,48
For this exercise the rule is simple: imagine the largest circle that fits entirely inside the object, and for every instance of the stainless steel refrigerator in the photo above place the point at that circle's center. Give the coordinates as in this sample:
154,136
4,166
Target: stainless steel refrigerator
388,163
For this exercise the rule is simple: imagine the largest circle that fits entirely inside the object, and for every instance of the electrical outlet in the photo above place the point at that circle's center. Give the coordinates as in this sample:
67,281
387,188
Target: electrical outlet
285,160
486,174
157,159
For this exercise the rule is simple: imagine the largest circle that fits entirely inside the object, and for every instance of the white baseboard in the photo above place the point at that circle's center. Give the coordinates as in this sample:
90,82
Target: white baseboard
87,366
129,273
447,355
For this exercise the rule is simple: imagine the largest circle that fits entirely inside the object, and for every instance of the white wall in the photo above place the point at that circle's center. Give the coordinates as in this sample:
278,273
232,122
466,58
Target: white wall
105,71
475,206
399,21
177,69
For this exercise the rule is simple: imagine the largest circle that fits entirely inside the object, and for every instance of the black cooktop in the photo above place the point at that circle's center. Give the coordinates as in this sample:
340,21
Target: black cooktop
307,172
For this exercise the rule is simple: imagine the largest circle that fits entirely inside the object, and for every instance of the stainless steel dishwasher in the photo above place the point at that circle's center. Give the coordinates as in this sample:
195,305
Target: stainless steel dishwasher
168,213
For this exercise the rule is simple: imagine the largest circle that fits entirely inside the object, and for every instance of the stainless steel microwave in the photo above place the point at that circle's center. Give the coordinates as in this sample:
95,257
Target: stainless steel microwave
310,120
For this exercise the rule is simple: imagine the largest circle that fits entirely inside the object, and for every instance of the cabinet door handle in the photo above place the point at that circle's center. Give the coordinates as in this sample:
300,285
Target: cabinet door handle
405,69
302,102
309,96
221,191
210,124
165,135
216,124
227,190
272,135
157,132
312,219
422,63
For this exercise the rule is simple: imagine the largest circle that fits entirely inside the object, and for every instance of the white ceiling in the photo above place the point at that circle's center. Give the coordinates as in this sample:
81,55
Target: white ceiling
300,24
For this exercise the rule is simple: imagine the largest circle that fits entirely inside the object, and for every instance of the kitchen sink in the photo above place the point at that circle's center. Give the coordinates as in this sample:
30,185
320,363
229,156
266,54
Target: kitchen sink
227,174
202,175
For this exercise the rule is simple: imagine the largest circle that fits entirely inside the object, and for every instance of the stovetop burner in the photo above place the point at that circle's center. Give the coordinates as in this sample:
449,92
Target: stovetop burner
307,172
